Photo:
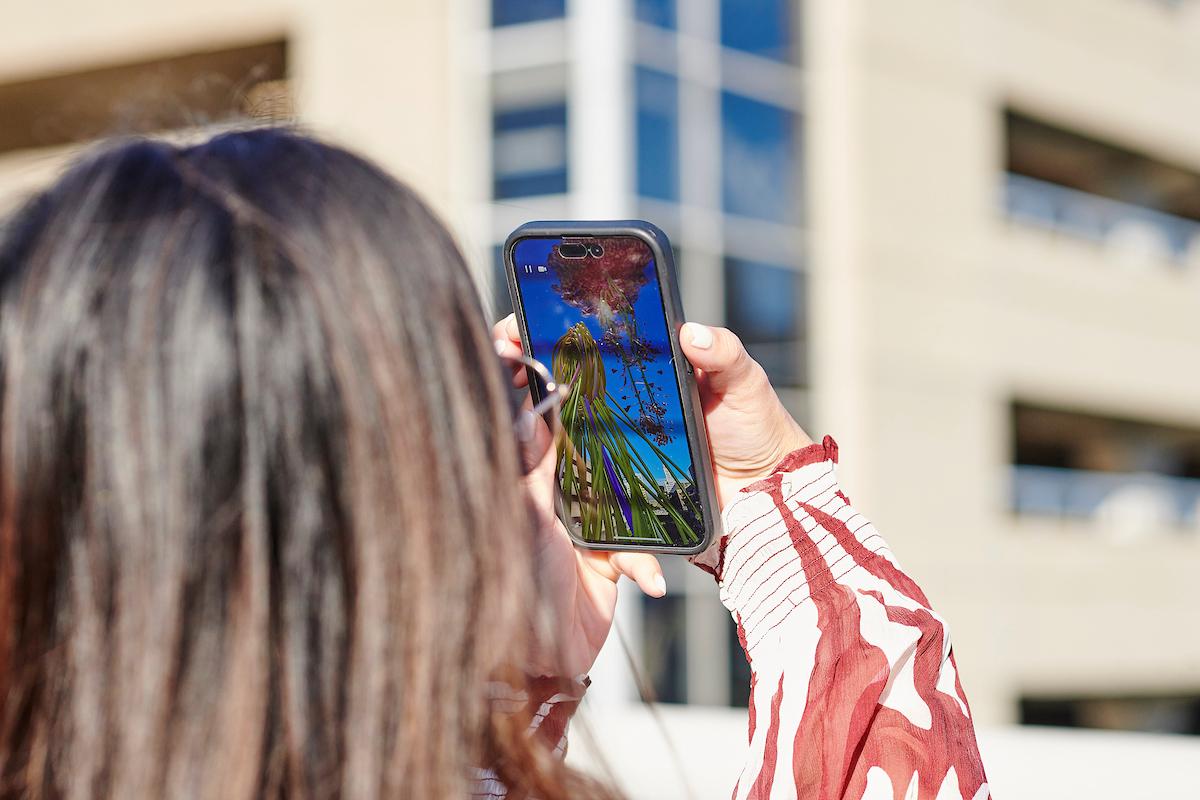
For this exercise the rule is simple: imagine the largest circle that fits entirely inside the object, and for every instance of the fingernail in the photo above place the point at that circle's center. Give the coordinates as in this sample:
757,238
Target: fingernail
660,585
500,345
702,337
525,426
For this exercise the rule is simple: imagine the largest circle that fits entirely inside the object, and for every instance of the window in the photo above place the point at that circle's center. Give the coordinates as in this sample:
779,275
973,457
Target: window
761,27
512,12
764,306
739,670
664,646
657,134
1138,477
758,177
529,151
146,97
1084,187
1144,714
656,12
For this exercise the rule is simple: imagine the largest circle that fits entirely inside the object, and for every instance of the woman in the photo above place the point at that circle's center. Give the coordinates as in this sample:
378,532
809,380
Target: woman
265,530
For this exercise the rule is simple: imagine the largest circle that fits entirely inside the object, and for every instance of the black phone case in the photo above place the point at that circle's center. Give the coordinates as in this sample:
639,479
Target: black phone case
664,262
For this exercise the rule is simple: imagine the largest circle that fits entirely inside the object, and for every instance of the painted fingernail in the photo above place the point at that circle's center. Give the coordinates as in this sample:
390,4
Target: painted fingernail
702,337
525,426
660,585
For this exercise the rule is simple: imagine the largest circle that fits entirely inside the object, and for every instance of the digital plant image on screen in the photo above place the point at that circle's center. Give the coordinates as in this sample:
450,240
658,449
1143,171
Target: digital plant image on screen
624,465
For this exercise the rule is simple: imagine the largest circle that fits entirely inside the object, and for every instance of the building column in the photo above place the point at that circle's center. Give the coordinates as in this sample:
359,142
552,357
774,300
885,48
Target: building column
600,153
600,109
837,302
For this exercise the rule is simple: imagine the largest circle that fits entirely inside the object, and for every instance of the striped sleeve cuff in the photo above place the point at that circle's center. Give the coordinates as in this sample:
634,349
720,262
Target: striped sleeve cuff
789,536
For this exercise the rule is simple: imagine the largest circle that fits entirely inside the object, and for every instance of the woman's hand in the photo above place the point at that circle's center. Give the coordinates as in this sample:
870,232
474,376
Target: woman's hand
749,430
580,584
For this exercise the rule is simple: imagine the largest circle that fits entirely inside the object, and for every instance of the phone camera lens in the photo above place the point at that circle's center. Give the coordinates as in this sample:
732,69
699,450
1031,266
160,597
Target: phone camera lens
595,250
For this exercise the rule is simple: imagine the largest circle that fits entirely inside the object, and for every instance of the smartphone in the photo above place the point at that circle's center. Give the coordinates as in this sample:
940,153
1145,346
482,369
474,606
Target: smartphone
598,304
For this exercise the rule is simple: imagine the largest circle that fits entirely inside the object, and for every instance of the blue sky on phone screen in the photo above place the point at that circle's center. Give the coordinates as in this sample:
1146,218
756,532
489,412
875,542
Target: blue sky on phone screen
548,317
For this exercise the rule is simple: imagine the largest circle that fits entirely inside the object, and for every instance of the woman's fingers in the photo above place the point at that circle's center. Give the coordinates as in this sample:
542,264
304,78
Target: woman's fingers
507,340
506,331
720,355
641,568
536,443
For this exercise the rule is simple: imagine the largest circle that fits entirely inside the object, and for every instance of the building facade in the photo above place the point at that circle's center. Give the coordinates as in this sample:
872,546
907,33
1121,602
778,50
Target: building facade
1005,262
962,237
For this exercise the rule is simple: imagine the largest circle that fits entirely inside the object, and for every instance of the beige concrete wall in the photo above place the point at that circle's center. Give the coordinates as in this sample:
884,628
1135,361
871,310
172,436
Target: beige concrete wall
930,311
58,36
956,311
377,76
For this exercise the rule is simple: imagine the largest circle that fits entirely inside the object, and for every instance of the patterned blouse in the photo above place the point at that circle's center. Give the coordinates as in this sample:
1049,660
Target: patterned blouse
854,692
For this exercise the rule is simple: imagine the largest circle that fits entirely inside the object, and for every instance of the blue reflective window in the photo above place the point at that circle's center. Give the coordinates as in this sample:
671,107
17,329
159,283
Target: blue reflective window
758,159
657,134
529,151
764,305
510,12
656,12
762,27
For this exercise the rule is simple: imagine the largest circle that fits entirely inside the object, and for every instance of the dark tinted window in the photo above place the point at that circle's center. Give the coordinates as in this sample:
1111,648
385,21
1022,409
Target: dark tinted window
739,671
665,647
1167,714
1076,184
1056,155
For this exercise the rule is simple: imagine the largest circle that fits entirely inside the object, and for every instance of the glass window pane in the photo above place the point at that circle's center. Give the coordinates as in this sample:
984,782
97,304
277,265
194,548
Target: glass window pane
511,12
762,27
739,671
664,626
656,12
758,154
529,151
764,305
657,134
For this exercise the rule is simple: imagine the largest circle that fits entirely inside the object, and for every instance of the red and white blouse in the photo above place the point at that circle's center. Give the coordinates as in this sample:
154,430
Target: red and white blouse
854,692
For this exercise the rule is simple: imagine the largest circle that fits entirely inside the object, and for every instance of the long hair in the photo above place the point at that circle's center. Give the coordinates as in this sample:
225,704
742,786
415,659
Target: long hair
260,526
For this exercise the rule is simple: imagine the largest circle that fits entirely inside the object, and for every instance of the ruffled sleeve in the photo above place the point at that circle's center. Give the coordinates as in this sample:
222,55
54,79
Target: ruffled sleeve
854,689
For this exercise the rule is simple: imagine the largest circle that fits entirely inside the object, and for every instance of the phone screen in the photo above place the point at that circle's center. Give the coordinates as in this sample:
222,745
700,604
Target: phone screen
598,322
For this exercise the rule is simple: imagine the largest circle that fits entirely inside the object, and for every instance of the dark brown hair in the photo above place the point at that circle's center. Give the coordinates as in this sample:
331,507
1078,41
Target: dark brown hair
260,526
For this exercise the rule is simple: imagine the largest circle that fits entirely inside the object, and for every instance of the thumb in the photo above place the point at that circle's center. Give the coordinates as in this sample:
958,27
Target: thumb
643,569
720,355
